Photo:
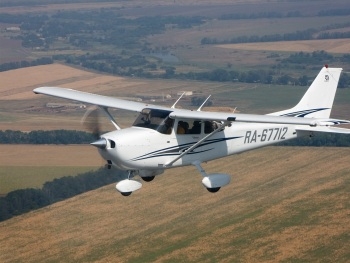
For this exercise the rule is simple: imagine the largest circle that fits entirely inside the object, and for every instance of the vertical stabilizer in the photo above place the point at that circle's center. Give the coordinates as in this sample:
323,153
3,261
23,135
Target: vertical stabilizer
318,100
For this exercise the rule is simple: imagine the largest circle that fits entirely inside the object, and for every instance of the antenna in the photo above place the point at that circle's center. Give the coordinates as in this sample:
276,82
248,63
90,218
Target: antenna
173,107
199,109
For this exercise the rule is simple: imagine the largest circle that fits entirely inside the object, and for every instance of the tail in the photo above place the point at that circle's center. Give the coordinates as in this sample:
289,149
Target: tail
318,100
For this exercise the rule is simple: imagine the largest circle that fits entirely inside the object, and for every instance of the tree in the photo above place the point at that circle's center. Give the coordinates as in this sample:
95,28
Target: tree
303,80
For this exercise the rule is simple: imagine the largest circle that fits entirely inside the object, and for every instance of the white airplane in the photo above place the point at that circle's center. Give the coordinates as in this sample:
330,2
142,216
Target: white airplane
163,137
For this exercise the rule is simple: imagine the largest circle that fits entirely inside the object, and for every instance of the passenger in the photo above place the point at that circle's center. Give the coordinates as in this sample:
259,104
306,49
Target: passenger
196,129
186,126
210,126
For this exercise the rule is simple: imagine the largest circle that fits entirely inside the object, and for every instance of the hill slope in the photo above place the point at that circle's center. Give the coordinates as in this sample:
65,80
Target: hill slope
283,204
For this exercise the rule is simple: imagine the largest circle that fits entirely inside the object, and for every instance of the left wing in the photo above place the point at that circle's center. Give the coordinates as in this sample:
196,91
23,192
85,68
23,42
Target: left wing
99,100
110,102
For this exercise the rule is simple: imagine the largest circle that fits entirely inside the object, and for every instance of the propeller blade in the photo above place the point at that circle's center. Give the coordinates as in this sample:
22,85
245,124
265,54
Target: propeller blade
91,121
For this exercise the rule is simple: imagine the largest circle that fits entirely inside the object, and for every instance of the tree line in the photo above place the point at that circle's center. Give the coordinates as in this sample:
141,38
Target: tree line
320,140
140,66
24,200
307,34
46,137
275,14
25,63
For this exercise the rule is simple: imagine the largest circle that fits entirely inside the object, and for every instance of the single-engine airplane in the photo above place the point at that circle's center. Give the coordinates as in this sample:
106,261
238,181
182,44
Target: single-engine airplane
167,137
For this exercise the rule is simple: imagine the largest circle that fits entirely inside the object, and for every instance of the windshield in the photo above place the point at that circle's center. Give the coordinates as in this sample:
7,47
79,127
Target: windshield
155,119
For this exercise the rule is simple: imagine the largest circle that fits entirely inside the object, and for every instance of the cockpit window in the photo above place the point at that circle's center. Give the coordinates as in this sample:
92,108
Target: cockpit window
156,120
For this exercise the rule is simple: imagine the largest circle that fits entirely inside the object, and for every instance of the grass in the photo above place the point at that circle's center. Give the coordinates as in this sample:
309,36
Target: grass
13,178
26,166
290,209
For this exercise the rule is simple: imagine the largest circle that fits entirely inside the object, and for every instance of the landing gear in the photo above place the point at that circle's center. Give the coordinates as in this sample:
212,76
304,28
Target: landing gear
148,178
109,164
127,186
213,190
213,182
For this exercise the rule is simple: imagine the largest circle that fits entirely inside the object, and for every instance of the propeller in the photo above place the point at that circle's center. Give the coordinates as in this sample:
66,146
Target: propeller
91,121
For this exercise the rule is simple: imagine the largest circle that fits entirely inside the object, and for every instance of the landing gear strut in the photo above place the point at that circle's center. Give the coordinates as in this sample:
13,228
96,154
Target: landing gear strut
127,186
213,182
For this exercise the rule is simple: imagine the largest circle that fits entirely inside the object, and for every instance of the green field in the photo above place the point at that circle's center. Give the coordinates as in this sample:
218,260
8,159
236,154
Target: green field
13,178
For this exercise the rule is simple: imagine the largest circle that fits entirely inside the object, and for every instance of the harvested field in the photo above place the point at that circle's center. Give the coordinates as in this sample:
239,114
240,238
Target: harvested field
49,75
328,45
294,208
49,155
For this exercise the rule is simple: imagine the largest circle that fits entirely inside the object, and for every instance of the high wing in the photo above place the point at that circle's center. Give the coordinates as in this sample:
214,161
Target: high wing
94,99
110,102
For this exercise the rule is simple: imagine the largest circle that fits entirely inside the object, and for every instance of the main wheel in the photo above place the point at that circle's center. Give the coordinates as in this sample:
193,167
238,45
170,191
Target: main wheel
126,193
213,190
147,178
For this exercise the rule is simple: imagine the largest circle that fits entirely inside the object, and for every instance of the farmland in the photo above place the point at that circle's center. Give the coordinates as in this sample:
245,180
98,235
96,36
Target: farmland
292,209
284,204
26,166
329,45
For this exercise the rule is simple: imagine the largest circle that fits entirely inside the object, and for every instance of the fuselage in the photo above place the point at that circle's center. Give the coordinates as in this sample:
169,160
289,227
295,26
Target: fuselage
144,148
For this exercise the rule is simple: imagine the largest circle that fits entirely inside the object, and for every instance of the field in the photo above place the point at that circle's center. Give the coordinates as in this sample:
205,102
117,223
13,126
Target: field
26,166
25,111
21,109
328,45
283,205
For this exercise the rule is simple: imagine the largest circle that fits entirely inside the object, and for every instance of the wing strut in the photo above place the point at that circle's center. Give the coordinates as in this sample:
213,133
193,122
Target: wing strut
173,107
105,110
222,125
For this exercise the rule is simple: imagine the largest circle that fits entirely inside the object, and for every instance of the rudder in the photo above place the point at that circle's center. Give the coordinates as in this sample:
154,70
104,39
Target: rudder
318,100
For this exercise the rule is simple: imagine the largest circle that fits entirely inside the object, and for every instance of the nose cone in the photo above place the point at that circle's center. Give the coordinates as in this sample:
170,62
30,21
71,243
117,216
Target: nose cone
100,143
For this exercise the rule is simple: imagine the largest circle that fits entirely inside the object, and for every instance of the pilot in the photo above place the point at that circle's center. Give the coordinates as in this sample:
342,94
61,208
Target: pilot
168,125
182,127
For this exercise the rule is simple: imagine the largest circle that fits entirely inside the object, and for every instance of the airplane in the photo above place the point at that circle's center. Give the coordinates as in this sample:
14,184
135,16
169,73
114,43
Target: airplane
167,137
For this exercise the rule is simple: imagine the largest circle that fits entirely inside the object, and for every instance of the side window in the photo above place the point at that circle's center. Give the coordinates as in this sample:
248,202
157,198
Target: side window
189,127
210,126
